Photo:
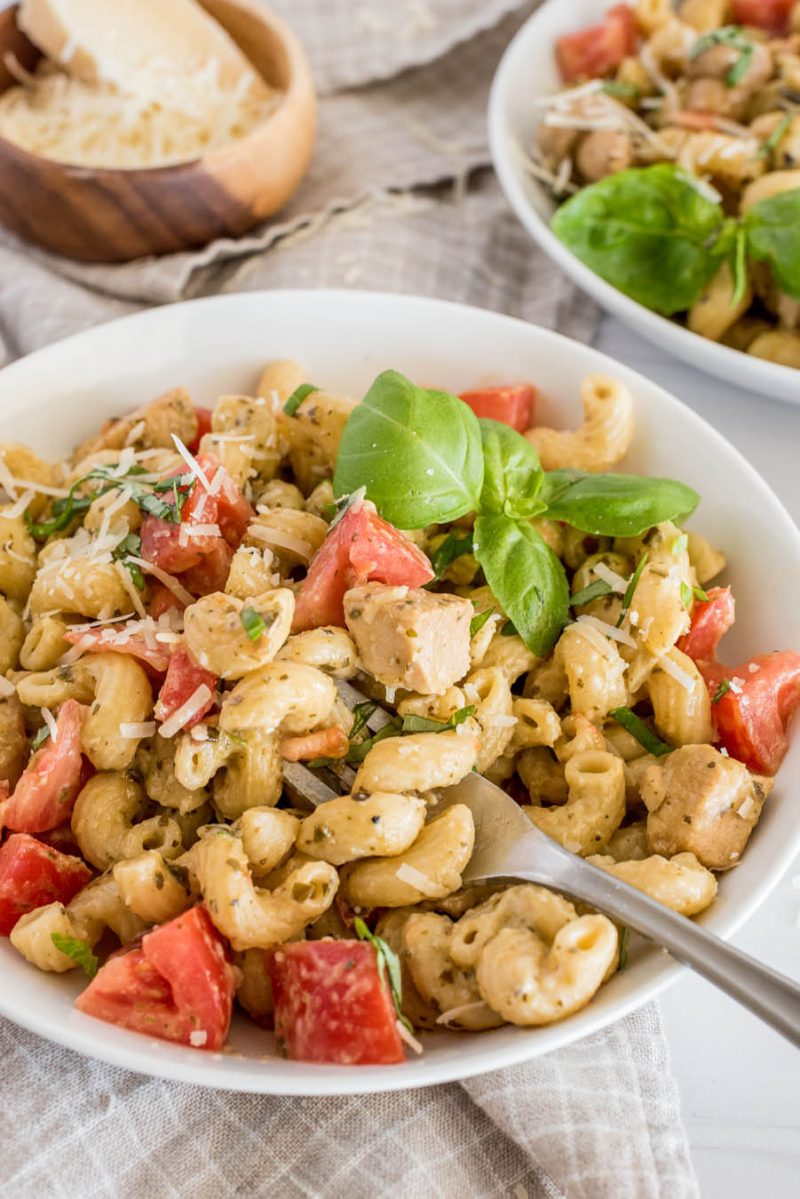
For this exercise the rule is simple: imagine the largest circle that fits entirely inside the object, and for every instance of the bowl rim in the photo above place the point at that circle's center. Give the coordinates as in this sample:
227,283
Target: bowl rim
126,1049
301,87
723,361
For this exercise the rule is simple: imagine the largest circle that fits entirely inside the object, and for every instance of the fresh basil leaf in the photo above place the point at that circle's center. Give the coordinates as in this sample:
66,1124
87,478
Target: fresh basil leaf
361,714
422,724
479,620
700,595
687,594
594,591
358,753
630,590
454,546
512,475
527,578
78,950
739,258
615,505
252,622
509,629
296,398
388,964
773,236
641,731
723,689
417,452
130,545
620,90
650,232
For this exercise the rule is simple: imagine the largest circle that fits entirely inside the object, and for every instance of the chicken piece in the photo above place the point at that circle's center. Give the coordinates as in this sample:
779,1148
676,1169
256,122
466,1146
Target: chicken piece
410,638
702,802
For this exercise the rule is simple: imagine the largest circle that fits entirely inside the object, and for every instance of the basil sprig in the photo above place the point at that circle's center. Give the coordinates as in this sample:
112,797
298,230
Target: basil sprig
388,967
425,459
79,951
653,234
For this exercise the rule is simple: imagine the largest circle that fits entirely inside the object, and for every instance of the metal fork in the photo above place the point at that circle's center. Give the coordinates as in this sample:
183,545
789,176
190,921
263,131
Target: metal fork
508,846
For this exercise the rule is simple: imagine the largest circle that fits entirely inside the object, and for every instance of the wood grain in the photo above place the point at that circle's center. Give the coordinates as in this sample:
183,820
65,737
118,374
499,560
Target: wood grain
117,215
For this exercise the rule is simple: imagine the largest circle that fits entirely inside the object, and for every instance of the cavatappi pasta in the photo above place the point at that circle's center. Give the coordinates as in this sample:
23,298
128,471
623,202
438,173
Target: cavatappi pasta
177,625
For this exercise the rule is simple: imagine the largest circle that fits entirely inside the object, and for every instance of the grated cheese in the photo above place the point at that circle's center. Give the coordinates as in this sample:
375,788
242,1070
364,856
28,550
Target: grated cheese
194,704
607,630
195,467
747,808
170,582
677,673
415,878
285,541
130,587
408,1037
198,1037
7,688
137,729
454,1013
49,720
134,434
615,581
19,507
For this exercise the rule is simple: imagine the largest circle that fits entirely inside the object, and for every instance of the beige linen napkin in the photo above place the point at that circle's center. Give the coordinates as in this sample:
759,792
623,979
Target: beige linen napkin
398,199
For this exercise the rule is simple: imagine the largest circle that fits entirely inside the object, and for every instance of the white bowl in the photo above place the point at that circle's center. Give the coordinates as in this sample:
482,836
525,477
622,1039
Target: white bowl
528,70
57,396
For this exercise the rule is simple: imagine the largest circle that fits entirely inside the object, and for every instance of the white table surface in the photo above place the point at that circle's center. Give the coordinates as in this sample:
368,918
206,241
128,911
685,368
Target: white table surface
739,1081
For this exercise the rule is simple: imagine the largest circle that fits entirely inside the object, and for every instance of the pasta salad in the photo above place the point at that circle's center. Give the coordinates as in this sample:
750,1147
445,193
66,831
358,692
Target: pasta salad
673,152
183,604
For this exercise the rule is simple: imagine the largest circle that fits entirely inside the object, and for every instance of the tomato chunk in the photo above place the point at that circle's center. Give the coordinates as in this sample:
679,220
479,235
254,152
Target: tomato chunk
204,417
211,572
113,639
161,600
752,717
33,874
772,15
46,792
174,546
178,986
361,548
511,405
331,1005
600,49
710,622
233,511
184,677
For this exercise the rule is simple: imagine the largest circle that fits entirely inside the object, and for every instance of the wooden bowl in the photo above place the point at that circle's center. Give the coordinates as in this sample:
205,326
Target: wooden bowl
109,215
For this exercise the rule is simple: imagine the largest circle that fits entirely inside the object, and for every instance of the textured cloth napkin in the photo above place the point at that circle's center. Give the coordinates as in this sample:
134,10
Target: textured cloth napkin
398,198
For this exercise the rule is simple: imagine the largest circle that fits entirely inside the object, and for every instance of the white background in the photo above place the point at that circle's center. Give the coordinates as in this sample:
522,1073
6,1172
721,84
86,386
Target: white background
739,1081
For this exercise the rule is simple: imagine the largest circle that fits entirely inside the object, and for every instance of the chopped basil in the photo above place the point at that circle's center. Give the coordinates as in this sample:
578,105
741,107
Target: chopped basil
642,732
594,591
624,938
359,752
422,724
733,37
454,546
620,90
680,544
776,137
361,714
627,598
79,951
723,689
479,620
132,544
41,737
388,967
252,622
687,595
296,398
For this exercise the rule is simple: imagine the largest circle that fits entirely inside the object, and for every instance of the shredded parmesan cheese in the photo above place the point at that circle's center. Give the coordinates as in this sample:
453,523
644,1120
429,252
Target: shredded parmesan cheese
198,1037
408,1037
19,507
455,1013
138,729
607,630
615,581
747,808
194,466
7,688
282,540
170,582
677,673
194,704
415,878
130,587
49,719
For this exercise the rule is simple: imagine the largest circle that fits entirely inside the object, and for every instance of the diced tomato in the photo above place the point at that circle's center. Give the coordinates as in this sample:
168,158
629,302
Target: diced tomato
211,572
233,511
751,719
331,1005
711,620
361,548
511,405
324,743
46,792
184,676
204,416
33,874
112,639
600,49
772,15
161,600
178,986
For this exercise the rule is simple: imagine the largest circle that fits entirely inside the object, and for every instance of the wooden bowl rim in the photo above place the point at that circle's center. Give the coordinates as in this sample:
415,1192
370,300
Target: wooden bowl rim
301,86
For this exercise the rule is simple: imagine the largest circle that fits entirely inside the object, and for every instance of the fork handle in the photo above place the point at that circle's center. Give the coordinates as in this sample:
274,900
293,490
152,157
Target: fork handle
772,996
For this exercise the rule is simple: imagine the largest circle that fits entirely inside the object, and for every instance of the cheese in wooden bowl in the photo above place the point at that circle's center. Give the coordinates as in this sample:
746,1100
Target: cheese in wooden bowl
148,126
